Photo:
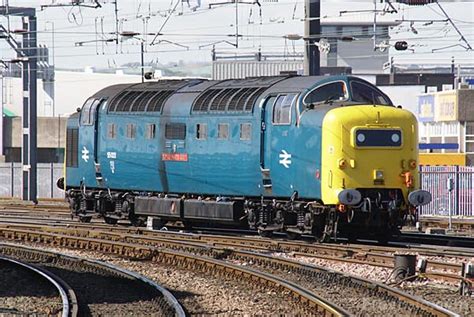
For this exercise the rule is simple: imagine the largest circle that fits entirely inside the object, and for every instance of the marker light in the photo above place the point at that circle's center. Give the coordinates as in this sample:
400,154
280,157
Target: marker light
412,164
342,163
378,175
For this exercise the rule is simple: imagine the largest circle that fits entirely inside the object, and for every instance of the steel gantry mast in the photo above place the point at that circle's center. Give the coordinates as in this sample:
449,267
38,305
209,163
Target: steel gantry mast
312,30
27,56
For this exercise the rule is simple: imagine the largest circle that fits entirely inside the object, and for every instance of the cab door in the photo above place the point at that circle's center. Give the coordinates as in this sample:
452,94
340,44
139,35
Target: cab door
277,145
88,141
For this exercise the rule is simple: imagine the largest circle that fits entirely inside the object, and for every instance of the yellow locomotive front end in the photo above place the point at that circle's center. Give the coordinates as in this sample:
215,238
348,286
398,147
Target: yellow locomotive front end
369,169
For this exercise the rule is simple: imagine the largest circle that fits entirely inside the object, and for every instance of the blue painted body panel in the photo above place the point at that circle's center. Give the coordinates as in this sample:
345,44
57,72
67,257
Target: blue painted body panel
215,167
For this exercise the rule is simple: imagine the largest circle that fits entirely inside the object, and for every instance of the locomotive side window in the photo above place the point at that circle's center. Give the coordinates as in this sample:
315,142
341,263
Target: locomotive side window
150,131
201,131
131,131
282,109
245,131
327,92
111,131
365,93
175,131
223,131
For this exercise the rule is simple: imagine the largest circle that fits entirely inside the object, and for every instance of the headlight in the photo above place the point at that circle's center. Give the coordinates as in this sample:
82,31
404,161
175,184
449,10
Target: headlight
395,138
361,137
378,138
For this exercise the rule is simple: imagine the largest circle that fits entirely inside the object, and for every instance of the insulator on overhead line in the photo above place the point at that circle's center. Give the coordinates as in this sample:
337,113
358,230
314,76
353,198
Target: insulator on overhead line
416,2
401,46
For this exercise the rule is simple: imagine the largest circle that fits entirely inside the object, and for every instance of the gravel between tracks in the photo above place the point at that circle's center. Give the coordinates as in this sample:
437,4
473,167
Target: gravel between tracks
357,301
200,294
19,297
442,293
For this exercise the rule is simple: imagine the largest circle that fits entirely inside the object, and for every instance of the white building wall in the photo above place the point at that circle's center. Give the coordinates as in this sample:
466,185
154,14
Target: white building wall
72,89
405,96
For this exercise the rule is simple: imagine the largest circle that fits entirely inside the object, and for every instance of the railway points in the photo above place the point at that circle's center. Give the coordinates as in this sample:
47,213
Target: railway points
143,250
442,265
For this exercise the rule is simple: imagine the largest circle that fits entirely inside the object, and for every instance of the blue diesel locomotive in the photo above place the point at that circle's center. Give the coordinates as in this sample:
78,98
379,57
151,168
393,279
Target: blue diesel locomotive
298,154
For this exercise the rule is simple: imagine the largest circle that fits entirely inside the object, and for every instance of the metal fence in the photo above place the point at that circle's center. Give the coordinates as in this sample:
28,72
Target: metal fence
48,174
435,179
452,188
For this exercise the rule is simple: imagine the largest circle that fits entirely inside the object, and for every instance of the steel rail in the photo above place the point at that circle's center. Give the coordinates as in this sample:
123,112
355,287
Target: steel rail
418,302
152,253
313,302
68,297
350,254
113,269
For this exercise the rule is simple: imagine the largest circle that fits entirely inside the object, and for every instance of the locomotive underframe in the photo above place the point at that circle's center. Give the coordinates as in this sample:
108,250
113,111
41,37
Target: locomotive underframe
379,213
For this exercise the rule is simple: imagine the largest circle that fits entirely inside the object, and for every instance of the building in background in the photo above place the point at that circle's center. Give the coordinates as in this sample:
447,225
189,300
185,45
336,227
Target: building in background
347,53
446,128
71,89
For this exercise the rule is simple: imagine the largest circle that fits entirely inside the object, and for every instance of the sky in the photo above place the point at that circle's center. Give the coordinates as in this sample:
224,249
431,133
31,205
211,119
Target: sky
189,30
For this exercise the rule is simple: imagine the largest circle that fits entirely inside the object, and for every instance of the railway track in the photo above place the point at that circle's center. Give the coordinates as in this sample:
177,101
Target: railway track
360,254
19,270
94,282
382,256
216,257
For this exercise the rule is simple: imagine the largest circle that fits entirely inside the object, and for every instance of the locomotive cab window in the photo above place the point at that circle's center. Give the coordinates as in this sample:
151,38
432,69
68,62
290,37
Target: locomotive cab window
201,131
89,110
362,92
327,92
282,109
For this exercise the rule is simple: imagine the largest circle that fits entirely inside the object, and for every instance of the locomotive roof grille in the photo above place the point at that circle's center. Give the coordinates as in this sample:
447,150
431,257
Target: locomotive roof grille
241,103
253,98
220,101
203,100
234,95
113,104
125,103
140,101
157,101
140,104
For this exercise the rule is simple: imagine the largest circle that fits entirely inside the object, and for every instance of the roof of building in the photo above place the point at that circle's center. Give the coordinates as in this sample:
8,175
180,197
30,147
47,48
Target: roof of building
8,113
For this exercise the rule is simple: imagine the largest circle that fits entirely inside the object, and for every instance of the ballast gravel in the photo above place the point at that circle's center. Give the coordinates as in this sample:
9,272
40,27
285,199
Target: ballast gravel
442,293
24,293
199,293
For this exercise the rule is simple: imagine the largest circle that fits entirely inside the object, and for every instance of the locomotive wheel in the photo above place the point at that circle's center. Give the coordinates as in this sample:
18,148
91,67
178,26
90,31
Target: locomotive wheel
85,219
137,221
110,221
265,233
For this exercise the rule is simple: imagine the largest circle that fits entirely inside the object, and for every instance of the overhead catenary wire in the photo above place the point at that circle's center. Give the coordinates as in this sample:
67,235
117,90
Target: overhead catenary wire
261,36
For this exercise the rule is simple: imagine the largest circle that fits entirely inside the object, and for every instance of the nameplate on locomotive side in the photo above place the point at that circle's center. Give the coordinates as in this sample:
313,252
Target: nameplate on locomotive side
179,157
